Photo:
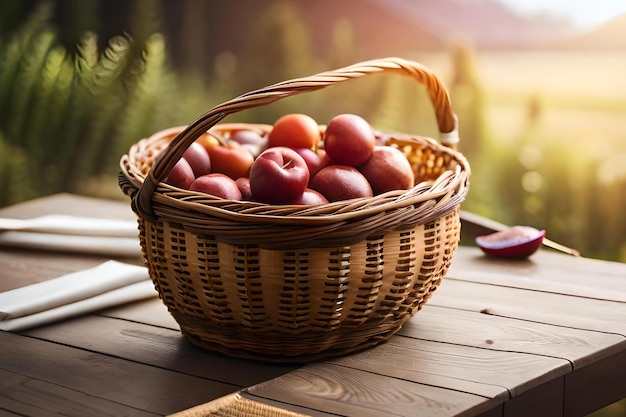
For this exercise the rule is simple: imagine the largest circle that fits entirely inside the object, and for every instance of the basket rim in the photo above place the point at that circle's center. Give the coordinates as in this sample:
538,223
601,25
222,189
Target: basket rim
450,185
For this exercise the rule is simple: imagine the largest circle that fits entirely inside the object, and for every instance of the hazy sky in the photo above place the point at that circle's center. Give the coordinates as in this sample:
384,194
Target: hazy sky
583,13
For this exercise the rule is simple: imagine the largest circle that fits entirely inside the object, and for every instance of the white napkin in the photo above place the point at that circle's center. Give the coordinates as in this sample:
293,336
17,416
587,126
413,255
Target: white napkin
108,237
98,245
72,225
108,284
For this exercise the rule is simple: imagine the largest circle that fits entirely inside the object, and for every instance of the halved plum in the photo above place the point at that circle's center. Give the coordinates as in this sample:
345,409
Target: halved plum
515,242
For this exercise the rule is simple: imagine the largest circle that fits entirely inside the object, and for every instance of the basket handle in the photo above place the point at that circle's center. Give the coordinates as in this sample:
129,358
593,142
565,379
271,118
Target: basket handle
446,119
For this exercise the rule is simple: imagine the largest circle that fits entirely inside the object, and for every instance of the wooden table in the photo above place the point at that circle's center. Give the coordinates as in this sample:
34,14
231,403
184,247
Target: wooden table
541,337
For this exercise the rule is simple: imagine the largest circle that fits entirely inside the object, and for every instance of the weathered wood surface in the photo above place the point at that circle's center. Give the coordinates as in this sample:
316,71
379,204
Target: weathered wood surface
542,337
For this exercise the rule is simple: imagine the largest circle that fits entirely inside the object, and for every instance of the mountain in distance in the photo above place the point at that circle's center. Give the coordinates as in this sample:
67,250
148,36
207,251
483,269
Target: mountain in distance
398,26
610,36
485,23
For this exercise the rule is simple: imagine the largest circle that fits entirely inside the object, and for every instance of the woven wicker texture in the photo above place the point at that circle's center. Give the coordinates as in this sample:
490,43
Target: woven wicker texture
234,405
298,283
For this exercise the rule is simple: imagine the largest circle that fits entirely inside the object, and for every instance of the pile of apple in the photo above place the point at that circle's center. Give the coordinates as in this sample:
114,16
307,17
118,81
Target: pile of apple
295,163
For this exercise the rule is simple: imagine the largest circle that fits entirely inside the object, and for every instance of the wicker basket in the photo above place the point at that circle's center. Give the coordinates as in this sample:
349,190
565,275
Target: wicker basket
298,283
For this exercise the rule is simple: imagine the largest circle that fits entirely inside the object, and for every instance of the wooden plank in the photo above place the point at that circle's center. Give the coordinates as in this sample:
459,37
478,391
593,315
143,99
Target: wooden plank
24,267
128,383
151,311
543,401
541,307
545,271
22,395
493,412
485,372
544,264
596,386
71,204
469,328
156,346
7,413
350,392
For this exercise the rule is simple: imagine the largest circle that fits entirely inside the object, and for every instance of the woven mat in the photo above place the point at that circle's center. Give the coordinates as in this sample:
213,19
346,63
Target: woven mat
234,405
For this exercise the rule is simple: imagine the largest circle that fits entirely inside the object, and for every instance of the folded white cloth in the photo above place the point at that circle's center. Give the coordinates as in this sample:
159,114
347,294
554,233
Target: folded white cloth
134,292
110,281
98,245
108,237
72,225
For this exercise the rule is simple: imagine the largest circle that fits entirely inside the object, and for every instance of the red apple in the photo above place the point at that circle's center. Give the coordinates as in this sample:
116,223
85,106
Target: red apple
181,175
228,158
324,159
248,136
388,169
349,140
312,159
254,141
198,158
309,198
219,185
294,131
278,175
341,182
244,187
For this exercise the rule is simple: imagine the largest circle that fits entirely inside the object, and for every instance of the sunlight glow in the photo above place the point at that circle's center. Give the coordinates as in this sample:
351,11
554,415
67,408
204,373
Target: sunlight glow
582,13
